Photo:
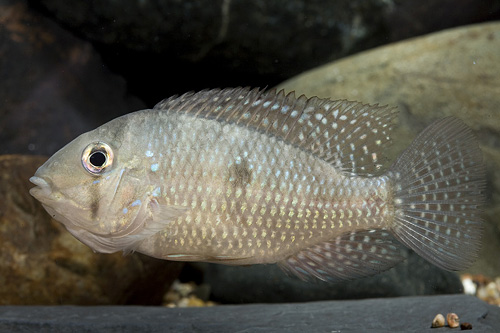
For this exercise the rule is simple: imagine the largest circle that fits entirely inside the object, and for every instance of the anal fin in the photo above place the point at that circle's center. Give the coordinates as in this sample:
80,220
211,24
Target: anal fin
349,256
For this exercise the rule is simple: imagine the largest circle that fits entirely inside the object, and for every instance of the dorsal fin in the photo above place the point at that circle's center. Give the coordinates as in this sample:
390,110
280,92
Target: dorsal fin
348,134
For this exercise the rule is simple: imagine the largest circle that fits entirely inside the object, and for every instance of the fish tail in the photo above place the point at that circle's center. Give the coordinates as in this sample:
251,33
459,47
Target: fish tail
439,183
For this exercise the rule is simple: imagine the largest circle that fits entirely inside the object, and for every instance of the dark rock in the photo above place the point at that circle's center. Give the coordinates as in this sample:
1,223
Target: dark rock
42,263
53,85
268,284
404,314
452,73
247,42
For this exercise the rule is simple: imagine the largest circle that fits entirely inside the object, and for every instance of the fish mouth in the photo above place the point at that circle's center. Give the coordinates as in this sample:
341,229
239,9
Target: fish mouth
39,181
42,189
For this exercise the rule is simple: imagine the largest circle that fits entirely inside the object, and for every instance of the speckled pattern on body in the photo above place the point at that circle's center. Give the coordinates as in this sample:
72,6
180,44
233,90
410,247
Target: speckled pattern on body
240,176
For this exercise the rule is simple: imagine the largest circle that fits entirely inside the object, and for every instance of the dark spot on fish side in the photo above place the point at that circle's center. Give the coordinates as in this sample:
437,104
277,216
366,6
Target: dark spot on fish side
94,205
240,174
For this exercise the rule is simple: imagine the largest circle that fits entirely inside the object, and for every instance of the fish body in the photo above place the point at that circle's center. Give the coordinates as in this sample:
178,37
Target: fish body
240,176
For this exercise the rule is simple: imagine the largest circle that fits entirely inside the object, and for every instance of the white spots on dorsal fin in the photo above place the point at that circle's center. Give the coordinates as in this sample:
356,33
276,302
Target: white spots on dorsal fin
322,127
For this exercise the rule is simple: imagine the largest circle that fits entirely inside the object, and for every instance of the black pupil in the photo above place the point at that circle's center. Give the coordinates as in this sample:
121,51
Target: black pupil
97,159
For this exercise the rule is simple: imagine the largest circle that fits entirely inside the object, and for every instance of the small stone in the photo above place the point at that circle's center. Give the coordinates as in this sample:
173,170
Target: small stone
194,301
184,289
469,285
497,281
492,290
453,320
171,297
466,326
438,321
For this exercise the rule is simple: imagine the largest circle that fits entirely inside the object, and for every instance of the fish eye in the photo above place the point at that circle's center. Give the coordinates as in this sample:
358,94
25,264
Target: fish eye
97,157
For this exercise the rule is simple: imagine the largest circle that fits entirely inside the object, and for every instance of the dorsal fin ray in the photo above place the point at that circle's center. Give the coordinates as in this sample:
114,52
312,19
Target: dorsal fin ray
349,135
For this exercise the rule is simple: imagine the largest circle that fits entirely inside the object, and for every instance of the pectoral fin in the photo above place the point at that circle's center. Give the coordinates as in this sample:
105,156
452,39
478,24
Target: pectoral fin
153,216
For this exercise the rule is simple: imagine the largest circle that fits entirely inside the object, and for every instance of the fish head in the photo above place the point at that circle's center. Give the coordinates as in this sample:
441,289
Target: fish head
93,186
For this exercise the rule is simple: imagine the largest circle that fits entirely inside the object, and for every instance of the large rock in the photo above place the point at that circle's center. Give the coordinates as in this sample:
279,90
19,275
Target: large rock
403,314
42,263
53,85
455,72
250,42
450,73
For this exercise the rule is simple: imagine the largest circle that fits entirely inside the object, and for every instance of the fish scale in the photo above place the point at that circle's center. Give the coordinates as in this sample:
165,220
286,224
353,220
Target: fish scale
242,176
265,220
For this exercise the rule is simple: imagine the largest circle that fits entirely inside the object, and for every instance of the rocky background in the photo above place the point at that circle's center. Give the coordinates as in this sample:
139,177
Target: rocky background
67,67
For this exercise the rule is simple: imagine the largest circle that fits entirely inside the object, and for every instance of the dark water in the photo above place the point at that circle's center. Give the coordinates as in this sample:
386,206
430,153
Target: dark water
68,67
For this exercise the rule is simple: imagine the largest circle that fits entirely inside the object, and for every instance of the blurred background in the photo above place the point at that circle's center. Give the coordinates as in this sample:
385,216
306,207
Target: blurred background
66,67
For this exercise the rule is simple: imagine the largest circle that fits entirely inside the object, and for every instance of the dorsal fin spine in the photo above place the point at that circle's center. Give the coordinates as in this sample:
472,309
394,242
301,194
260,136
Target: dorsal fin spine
289,102
250,100
202,106
297,107
346,134
268,110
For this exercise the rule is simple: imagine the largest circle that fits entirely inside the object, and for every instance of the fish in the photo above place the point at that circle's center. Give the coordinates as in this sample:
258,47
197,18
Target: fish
243,176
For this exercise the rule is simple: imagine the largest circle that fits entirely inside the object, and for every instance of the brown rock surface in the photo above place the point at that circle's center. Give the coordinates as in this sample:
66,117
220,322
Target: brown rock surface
42,263
454,72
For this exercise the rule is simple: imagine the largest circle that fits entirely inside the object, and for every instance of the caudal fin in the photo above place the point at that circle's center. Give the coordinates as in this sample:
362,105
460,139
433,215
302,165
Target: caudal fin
439,183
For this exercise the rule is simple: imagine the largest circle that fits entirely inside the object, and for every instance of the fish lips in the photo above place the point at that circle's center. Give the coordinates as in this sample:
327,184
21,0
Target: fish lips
43,189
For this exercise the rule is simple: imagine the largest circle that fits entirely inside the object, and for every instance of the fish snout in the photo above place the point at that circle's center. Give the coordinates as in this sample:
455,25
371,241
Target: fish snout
39,181
42,188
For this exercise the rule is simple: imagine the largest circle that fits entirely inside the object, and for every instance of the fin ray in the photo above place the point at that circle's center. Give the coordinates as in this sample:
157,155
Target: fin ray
350,255
153,216
350,135
439,187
